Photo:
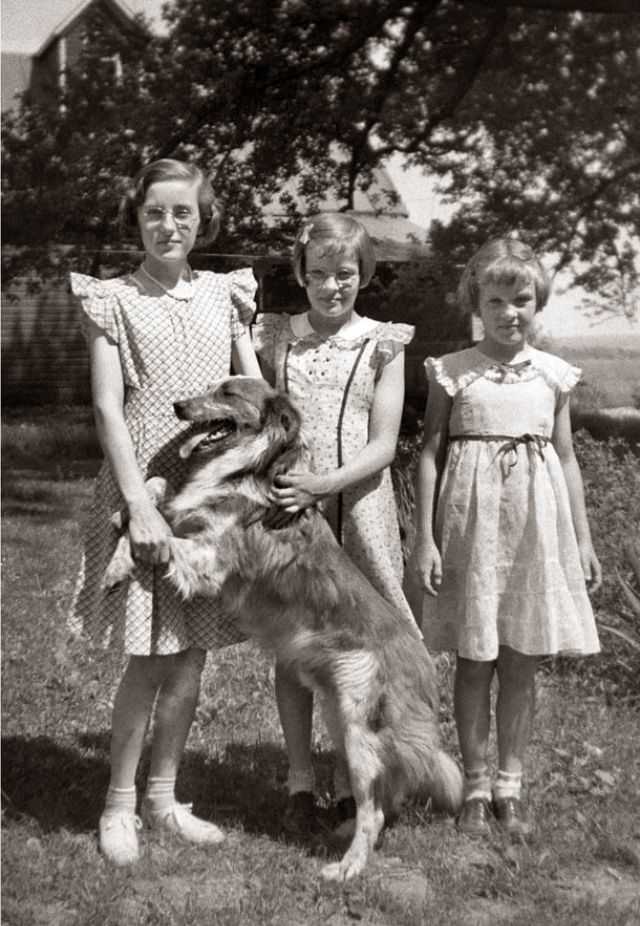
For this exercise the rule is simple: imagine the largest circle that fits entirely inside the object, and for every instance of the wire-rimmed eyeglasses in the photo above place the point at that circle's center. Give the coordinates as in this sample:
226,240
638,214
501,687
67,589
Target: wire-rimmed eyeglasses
344,278
183,216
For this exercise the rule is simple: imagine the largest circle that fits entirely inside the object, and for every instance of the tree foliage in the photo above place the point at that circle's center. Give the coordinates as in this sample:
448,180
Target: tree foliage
528,116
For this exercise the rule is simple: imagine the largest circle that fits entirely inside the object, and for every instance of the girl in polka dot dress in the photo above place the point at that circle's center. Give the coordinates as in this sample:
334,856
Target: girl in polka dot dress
346,374
155,336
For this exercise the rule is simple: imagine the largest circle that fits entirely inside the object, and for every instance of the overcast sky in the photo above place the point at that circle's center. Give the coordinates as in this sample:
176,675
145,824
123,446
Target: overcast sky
27,23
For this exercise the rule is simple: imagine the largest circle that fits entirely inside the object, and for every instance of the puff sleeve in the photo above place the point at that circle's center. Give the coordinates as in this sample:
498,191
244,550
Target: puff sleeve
456,371
393,339
242,290
265,334
98,304
570,378
437,372
561,376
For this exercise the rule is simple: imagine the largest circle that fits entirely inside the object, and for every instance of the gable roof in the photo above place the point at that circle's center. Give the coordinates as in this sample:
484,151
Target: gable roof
48,20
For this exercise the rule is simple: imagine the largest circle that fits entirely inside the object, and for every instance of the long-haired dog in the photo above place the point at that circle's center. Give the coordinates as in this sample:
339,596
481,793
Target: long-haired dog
293,589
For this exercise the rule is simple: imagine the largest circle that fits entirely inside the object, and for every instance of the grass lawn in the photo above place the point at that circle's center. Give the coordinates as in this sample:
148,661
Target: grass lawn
582,865
609,369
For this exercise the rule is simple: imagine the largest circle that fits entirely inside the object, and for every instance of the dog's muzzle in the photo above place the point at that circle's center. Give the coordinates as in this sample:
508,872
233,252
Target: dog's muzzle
207,437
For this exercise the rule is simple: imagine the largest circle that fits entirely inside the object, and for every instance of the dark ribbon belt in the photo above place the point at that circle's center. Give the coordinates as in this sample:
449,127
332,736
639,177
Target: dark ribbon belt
508,451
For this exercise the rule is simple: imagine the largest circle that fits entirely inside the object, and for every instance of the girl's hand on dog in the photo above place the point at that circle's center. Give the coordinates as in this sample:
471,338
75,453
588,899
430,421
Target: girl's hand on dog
295,491
149,534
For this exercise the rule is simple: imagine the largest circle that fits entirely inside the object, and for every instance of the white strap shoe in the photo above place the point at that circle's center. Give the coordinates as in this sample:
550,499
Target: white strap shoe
118,837
179,819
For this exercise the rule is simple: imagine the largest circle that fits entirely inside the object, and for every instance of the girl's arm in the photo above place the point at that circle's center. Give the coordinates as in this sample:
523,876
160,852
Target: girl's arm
243,357
148,530
295,491
425,561
563,443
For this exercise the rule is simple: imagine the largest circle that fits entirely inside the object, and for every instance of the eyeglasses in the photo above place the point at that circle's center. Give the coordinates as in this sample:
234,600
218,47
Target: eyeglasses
344,278
183,216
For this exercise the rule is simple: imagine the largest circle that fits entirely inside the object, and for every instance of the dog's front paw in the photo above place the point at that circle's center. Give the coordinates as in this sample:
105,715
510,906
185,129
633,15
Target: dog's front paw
192,568
349,867
121,565
159,490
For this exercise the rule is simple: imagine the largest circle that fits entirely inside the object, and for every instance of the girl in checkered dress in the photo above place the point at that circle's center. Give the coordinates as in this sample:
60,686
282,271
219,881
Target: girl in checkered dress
155,336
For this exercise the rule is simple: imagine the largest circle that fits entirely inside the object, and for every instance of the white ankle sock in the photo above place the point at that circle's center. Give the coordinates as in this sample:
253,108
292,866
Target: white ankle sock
301,779
477,784
508,784
119,799
160,793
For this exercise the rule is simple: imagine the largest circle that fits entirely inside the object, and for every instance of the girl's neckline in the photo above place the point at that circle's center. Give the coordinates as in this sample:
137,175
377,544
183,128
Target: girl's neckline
182,291
301,327
525,357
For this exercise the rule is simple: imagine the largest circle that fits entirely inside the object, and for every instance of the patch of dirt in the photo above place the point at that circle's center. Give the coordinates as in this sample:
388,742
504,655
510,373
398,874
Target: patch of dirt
483,911
208,893
408,886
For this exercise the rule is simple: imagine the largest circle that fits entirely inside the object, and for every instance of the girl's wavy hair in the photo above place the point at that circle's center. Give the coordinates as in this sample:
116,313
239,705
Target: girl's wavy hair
502,260
170,169
336,233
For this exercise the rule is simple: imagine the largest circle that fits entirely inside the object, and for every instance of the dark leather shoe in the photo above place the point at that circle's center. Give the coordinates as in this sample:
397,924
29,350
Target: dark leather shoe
301,815
474,817
511,816
345,809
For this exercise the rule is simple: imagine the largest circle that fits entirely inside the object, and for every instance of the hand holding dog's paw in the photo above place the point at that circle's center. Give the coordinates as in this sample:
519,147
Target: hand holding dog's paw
121,564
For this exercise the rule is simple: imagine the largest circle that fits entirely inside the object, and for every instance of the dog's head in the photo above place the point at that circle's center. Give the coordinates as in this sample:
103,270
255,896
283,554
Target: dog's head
242,417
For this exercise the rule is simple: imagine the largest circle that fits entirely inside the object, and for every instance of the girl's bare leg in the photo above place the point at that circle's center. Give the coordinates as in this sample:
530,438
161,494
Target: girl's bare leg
515,707
514,715
472,702
175,709
131,713
295,708
132,709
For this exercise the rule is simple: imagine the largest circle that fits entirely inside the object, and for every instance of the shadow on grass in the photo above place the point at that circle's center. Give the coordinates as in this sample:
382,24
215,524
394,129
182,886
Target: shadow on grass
62,787
53,784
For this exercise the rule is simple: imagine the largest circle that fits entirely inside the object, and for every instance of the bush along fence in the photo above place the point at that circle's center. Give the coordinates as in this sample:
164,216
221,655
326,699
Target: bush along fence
45,359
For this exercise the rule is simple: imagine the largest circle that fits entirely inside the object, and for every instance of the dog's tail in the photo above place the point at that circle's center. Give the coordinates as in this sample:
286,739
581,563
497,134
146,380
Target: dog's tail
445,787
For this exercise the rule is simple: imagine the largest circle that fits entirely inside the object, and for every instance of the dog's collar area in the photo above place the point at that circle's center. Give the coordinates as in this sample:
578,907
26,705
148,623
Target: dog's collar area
275,518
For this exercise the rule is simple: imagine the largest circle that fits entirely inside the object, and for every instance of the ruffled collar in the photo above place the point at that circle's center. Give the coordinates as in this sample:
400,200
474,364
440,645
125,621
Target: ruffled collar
500,372
364,329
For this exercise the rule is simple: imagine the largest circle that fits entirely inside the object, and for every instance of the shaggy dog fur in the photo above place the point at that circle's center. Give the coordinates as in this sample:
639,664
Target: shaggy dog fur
294,590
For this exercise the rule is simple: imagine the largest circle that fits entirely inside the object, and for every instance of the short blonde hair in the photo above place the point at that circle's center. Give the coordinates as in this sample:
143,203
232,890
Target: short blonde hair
337,232
170,169
502,260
